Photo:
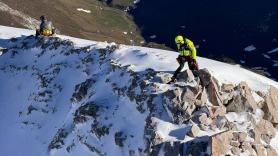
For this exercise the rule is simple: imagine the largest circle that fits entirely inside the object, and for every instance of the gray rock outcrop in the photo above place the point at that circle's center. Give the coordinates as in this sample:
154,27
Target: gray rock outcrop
243,101
270,107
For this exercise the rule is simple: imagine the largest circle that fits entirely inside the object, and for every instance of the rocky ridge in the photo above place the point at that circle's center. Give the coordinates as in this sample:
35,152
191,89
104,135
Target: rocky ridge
204,110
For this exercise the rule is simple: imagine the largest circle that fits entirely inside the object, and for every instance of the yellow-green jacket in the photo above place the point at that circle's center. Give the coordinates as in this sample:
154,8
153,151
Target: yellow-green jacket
187,49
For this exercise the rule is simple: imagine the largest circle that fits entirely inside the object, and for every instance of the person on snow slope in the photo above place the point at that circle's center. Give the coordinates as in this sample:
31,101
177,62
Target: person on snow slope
188,53
46,28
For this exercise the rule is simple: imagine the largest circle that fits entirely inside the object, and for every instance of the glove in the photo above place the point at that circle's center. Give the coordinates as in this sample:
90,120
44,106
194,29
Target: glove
178,59
193,65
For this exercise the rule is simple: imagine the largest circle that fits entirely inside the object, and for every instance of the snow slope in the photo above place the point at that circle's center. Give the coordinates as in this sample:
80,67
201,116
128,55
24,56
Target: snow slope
161,60
26,20
38,79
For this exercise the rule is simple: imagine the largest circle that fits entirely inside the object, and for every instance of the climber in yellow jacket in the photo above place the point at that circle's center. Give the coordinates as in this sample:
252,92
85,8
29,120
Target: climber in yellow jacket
188,53
46,28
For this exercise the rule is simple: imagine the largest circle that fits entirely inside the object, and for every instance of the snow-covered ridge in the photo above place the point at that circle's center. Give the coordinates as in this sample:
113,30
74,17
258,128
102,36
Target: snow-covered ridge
162,60
68,96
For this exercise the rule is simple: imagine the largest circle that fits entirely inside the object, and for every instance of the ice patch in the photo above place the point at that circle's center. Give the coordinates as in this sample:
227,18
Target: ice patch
274,141
250,48
242,61
267,74
153,37
240,119
259,68
83,10
273,51
170,132
136,1
266,56
275,65
236,117
259,114
1,51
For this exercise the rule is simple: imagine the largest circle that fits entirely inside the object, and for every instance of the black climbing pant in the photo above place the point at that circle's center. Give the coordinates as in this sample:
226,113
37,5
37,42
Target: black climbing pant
192,64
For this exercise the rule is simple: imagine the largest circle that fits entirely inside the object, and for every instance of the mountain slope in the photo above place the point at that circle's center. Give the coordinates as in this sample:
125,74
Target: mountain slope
90,19
68,96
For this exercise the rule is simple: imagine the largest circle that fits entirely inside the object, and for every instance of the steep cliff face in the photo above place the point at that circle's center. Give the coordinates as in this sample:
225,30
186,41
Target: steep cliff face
65,96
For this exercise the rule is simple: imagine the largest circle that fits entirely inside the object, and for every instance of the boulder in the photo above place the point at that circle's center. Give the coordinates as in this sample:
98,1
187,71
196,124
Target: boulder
198,103
260,150
164,77
227,97
189,94
263,128
235,150
242,137
235,136
242,102
236,105
202,98
234,143
173,96
190,109
186,76
213,93
217,111
204,127
180,111
194,131
221,122
204,76
271,151
246,146
271,107
227,88
203,119
220,143
266,138
261,94
232,126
